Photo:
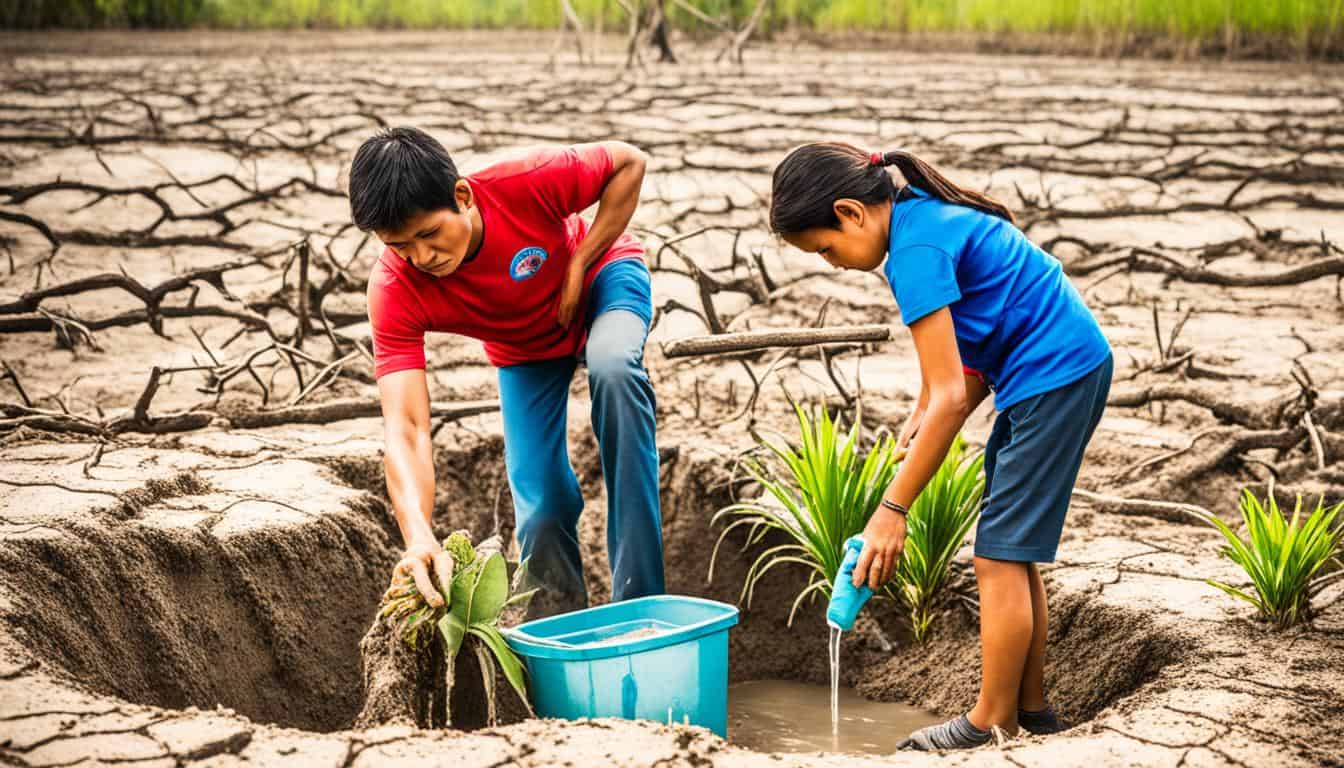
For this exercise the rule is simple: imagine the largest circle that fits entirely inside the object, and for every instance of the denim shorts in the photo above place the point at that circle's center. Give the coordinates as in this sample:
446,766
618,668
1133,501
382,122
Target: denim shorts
1032,460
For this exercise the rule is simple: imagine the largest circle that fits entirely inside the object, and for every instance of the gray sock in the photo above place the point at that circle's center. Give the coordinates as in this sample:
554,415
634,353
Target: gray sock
957,733
1040,723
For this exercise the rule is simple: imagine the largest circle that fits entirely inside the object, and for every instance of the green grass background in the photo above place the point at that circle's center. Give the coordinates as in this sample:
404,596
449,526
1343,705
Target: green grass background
1286,24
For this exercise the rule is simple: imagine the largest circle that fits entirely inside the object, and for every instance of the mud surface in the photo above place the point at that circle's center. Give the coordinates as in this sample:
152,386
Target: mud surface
779,716
192,557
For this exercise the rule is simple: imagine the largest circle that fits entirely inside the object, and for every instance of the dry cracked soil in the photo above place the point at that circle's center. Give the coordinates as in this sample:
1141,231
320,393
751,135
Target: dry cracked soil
193,525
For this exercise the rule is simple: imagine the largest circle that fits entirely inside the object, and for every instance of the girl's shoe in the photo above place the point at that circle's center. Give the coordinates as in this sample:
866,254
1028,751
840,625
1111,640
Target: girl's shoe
957,733
1042,723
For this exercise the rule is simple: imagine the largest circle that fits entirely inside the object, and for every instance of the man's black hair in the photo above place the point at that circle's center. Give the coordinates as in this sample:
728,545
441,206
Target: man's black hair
397,173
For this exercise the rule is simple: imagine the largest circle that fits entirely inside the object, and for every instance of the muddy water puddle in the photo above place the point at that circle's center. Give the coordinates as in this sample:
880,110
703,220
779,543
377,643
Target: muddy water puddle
782,716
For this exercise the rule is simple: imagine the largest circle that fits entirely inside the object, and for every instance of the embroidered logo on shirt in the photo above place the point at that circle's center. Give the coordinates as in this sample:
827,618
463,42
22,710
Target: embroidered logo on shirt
526,262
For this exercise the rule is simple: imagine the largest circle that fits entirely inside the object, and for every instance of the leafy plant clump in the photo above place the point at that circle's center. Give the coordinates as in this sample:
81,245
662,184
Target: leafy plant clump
1283,558
936,527
827,491
479,593
825,494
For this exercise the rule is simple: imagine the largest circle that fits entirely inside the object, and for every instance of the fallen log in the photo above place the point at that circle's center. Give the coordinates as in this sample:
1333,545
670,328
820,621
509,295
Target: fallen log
340,410
1153,261
745,341
238,416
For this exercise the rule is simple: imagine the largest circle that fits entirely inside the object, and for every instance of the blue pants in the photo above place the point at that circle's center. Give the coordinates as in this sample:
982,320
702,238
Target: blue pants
546,497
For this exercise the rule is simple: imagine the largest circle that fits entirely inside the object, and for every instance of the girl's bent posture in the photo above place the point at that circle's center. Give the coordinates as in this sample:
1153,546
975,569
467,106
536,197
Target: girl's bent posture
989,311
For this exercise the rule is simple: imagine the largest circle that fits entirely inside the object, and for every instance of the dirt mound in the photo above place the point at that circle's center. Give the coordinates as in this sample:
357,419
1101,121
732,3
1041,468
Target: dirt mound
1098,654
421,687
405,686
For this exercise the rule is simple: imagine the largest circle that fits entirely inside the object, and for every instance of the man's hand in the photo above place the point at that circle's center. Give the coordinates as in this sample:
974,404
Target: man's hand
567,307
615,206
883,540
409,460
420,556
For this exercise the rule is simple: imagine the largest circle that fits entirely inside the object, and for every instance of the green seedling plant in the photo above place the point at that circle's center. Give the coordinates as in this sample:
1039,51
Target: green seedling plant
1283,558
824,494
936,526
478,594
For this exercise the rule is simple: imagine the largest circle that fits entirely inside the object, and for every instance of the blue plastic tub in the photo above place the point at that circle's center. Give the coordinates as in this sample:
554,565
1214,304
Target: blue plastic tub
579,665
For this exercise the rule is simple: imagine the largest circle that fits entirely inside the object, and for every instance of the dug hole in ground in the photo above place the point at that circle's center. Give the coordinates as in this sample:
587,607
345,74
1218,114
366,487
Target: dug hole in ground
253,626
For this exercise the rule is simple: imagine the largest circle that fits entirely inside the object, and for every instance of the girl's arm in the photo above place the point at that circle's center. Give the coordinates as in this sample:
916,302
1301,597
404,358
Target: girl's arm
911,427
620,196
949,403
976,392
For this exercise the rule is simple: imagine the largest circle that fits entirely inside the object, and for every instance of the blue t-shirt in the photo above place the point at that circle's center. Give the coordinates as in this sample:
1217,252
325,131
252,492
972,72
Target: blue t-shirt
1018,319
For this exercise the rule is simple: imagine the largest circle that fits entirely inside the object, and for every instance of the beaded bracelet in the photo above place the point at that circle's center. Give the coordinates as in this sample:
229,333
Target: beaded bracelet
894,507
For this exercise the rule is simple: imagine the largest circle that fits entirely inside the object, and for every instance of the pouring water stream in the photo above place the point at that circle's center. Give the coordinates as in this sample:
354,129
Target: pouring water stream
846,600
835,685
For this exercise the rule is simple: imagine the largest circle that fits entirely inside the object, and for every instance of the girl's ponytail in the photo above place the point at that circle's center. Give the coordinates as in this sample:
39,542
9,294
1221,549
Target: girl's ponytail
926,177
809,181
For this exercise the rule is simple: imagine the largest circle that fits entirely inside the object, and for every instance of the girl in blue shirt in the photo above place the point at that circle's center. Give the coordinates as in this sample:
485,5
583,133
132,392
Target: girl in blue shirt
989,311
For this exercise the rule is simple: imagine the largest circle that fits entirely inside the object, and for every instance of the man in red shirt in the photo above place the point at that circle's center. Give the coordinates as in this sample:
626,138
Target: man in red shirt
502,256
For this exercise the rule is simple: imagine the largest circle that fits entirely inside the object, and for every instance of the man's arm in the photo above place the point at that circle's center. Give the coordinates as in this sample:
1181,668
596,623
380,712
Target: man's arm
408,457
620,197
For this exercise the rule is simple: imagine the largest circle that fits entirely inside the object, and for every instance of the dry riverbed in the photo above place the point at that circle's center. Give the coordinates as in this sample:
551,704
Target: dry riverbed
188,568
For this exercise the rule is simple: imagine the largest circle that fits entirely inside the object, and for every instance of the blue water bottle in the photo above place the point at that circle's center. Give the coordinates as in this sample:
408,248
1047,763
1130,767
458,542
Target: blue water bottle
846,599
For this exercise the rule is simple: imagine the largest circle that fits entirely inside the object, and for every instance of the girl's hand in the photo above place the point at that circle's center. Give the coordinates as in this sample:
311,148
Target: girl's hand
570,293
883,541
910,429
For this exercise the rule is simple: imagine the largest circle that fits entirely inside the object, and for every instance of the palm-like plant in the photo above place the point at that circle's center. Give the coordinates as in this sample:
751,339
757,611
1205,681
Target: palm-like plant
1283,558
936,526
479,593
824,495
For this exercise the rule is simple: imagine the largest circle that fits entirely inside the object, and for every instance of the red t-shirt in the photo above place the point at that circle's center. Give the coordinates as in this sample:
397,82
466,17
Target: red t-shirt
507,295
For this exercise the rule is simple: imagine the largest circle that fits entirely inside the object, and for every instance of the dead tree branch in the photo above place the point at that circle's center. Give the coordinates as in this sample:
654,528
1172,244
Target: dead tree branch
242,416
571,20
1221,404
746,341
738,40
1176,512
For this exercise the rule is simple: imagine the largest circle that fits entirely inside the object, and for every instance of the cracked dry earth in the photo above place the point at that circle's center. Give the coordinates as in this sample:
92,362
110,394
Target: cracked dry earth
185,583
